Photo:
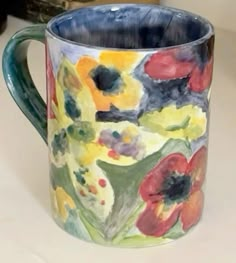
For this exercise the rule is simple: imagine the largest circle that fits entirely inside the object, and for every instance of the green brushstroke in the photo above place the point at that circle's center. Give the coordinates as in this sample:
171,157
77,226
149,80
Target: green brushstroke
176,231
182,125
125,181
60,177
75,226
142,241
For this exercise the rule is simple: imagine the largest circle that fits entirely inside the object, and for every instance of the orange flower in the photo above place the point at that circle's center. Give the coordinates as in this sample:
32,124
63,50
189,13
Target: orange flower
109,79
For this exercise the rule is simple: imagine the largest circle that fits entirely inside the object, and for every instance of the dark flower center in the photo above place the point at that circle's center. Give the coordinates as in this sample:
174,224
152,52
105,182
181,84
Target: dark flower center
71,108
106,79
60,143
80,175
176,188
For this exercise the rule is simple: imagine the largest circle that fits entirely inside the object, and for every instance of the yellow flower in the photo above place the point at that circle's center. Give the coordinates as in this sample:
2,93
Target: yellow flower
61,200
85,153
109,79
188,122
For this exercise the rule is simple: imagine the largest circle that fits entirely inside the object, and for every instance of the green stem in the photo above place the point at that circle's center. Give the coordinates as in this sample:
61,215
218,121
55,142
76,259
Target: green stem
95,235
129,224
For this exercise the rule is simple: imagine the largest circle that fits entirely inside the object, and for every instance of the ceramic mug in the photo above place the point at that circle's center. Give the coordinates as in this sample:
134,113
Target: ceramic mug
126,124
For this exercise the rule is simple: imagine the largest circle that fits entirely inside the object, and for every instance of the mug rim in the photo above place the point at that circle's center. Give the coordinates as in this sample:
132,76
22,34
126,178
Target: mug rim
210,30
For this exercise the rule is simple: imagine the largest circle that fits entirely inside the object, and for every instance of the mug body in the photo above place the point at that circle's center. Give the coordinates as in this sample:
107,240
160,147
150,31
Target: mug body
128,106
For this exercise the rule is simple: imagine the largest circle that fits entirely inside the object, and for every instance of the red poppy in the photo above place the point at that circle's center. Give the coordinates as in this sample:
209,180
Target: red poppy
51,86
165,66
201,79
172,191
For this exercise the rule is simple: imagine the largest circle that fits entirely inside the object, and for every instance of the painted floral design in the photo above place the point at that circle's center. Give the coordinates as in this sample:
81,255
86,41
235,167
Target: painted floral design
165,65
109,81
187,122
175,64
127,143
176,76
172,191
200,79
127,134
61,200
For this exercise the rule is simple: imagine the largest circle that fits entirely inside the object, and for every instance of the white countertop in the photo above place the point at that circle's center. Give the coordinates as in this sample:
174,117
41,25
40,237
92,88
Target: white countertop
28,234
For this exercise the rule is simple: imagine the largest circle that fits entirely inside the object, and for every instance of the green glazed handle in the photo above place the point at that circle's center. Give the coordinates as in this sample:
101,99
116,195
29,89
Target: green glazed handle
18,78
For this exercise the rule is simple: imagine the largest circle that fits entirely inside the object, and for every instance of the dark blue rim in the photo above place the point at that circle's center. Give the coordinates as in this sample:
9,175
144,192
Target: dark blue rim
70,13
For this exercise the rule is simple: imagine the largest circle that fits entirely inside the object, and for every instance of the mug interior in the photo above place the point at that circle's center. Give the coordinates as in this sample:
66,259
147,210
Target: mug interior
129,26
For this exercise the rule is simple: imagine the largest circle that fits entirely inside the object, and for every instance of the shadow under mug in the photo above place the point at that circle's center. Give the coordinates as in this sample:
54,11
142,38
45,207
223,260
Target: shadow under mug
128,89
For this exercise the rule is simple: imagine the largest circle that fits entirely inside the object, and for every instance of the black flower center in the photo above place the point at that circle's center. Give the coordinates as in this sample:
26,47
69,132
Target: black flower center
106,79
176,188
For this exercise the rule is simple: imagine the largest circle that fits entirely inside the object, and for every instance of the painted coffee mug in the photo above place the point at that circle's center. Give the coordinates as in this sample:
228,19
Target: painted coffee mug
128,90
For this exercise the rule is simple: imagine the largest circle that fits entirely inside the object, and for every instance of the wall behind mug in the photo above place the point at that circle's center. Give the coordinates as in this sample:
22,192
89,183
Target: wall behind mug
222,13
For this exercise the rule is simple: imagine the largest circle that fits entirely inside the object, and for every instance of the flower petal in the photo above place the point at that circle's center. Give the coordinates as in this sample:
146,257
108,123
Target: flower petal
121,60
156,220
192,210
151,186
130,96
63,200
164,65
201,80
127,98
197,167
185,122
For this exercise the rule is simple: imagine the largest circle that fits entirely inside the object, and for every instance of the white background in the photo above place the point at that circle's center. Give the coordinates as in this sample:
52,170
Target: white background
221,13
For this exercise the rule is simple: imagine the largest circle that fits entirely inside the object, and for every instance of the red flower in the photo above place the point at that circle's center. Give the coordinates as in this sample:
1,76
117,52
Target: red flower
51,86
201,79
165,66
172,191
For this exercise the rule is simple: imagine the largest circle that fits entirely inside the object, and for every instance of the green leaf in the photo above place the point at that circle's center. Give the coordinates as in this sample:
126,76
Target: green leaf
129,224
125,181
94,232
142,241
60,178
182,125
176,231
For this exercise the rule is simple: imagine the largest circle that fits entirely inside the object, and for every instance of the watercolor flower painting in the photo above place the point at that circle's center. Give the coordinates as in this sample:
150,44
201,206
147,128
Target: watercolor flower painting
127,142
172,190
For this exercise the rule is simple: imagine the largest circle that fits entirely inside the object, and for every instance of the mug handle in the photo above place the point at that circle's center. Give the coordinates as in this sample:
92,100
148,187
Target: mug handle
18,79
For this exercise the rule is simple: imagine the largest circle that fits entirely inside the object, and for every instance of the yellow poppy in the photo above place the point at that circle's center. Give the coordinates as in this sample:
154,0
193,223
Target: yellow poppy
109,79
188,122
